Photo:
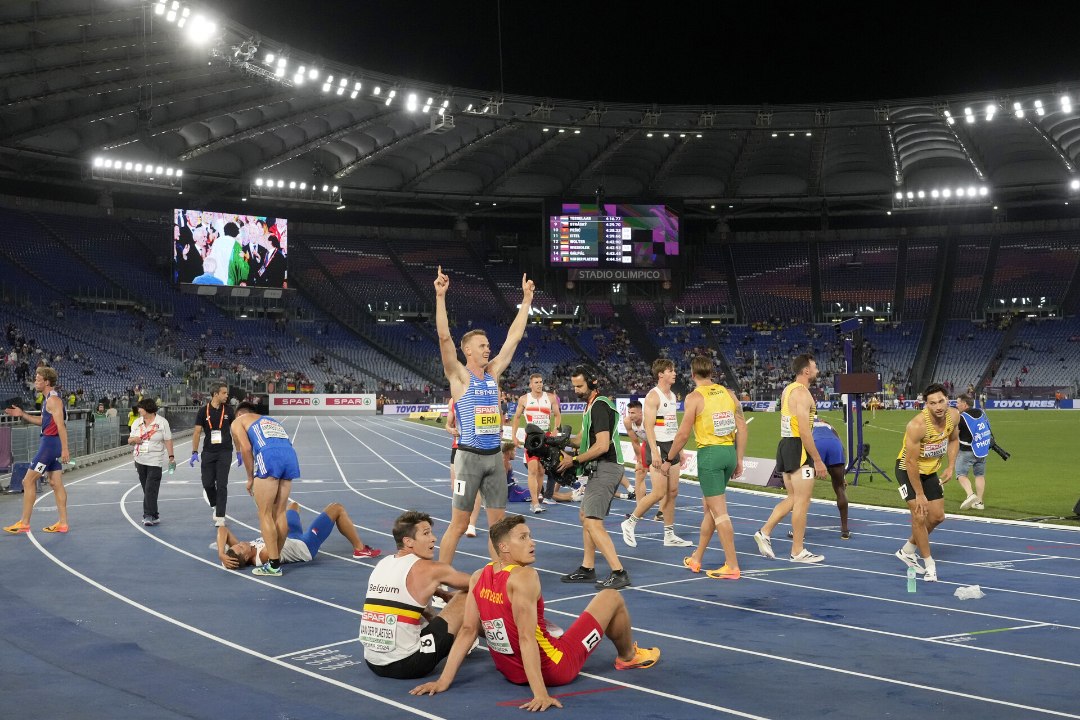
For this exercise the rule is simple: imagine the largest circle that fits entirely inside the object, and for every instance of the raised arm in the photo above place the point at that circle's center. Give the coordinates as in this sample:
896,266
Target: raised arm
454,371
517,330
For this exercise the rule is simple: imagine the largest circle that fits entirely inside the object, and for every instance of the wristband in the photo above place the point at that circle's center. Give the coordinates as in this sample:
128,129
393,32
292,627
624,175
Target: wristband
172,457
575,460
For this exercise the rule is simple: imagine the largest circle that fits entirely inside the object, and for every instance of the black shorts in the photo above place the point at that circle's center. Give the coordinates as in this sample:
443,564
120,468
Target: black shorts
931,485
791,455
663,447
435,644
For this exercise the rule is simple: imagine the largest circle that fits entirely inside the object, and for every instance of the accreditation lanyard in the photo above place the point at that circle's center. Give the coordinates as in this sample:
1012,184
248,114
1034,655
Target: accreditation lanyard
215,435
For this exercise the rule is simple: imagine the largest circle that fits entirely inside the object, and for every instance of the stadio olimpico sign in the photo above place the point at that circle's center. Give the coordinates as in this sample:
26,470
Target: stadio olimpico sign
620,275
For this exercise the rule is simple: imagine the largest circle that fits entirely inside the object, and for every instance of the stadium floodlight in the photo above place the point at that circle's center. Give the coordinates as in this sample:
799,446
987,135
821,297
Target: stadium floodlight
1066,104
292,184
341,91
170,16
682,135
991,109
946,193
427,108
352,95
158,170
109,164
969,115
326,87
774,134
1018,110
159,9
269,59
128,165
334,189
325,188
281,62
808,134
183,21
442,111
577,132
960,192
393,93
910,195
646,134
972,192
98,162
313,74
303,186
410,102
281,183
138,167
1039,108
258,182
344,83
562,130
389,100
921,194
899,196
1075,185
545,129
934,193
298,79
179,172
377,90
468,108
699,134
446,103
667,134
984,191
149,169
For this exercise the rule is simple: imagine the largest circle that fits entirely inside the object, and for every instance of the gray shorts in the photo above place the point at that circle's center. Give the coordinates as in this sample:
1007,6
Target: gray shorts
600,490
479,473
966,461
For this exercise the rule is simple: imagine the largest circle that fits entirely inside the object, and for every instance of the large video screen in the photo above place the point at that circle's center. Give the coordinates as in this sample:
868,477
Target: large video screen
212,248
614,235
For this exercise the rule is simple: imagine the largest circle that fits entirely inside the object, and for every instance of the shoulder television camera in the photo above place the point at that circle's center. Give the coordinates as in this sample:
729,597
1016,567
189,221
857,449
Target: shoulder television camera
548,450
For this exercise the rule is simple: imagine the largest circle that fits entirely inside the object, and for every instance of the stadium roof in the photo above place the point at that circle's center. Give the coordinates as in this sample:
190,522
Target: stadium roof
157,84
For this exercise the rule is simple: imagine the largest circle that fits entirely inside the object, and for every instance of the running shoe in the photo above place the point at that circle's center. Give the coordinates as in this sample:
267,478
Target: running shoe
58,528
724,572
628,536
537,509
911,560
969,502
845,535
978,506
930,576
548,501
17,528
149,520
631,496
617,580
581,575
659,515
266,570
643,658
694,565
673,540
367,552
807,557
470,531
764,545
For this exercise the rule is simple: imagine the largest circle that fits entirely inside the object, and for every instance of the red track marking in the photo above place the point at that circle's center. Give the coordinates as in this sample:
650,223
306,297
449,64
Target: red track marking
1070,546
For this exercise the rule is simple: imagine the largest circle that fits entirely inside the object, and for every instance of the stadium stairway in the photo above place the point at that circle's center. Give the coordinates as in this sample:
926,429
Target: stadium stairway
998,358
638,334
930,343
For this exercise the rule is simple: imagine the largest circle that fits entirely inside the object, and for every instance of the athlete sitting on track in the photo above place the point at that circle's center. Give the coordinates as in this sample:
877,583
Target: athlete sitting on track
504,599
300,545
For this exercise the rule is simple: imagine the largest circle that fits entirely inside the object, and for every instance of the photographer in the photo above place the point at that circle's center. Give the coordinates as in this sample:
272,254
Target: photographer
601,457
972,455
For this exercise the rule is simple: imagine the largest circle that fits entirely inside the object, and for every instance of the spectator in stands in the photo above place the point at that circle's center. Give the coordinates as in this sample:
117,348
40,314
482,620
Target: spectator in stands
152,437
51,456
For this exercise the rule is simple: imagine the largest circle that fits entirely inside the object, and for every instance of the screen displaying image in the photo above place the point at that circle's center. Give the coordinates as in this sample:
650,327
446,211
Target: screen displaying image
613,235
212,248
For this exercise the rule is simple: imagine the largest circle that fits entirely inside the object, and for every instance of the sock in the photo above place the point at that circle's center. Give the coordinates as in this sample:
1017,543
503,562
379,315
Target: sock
619,572
632,519
669,529
275,563
584,569
931,566
909,548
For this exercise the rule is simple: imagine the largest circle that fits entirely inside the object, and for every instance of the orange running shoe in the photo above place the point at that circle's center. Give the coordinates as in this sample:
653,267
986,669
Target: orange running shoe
17,528
643,658
694,565
55,528
724,573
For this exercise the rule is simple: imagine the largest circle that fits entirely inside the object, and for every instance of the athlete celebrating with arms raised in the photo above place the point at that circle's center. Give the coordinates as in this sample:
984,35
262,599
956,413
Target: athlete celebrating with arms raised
474,387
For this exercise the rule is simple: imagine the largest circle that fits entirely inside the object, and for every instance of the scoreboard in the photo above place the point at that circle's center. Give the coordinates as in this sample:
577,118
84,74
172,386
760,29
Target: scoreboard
621,236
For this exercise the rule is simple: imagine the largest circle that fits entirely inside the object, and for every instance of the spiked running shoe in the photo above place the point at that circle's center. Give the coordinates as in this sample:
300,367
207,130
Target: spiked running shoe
643,658
694,565
724,572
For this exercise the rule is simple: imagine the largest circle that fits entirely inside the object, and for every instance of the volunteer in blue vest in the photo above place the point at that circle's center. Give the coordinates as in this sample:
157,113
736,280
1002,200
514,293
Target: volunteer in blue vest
975,441
474,386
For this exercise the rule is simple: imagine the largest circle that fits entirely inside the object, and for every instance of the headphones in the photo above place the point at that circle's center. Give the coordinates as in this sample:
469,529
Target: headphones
592,379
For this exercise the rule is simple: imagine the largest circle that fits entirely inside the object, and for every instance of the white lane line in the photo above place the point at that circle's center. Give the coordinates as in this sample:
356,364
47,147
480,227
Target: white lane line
313,649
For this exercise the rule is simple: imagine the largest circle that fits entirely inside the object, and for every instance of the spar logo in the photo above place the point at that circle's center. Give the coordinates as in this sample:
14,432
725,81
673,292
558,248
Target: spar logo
315,401
294,402
349,401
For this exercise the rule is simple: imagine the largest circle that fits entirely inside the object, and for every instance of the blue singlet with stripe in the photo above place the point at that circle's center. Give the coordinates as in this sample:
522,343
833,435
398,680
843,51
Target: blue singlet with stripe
479,416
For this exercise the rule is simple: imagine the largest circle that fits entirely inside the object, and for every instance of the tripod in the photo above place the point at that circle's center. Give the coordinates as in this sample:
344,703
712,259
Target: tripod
859,461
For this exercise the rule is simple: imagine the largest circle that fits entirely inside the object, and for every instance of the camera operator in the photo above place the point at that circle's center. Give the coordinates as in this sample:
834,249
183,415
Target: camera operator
601,457
972,455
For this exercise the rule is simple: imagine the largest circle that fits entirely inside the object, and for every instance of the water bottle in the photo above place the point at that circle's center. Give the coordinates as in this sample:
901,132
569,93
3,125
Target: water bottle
911,580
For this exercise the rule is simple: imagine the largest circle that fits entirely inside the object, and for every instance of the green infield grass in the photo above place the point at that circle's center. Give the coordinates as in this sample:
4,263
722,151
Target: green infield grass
1038,481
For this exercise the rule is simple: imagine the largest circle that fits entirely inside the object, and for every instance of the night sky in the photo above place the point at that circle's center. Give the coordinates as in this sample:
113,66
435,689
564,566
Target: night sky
733,53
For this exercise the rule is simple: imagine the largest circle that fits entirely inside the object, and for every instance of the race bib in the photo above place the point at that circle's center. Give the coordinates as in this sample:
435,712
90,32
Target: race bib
785,426
541,421
487,420
497,639
272,429
807,472
459,487
904,492
215,437
935,449
723,423
378,631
